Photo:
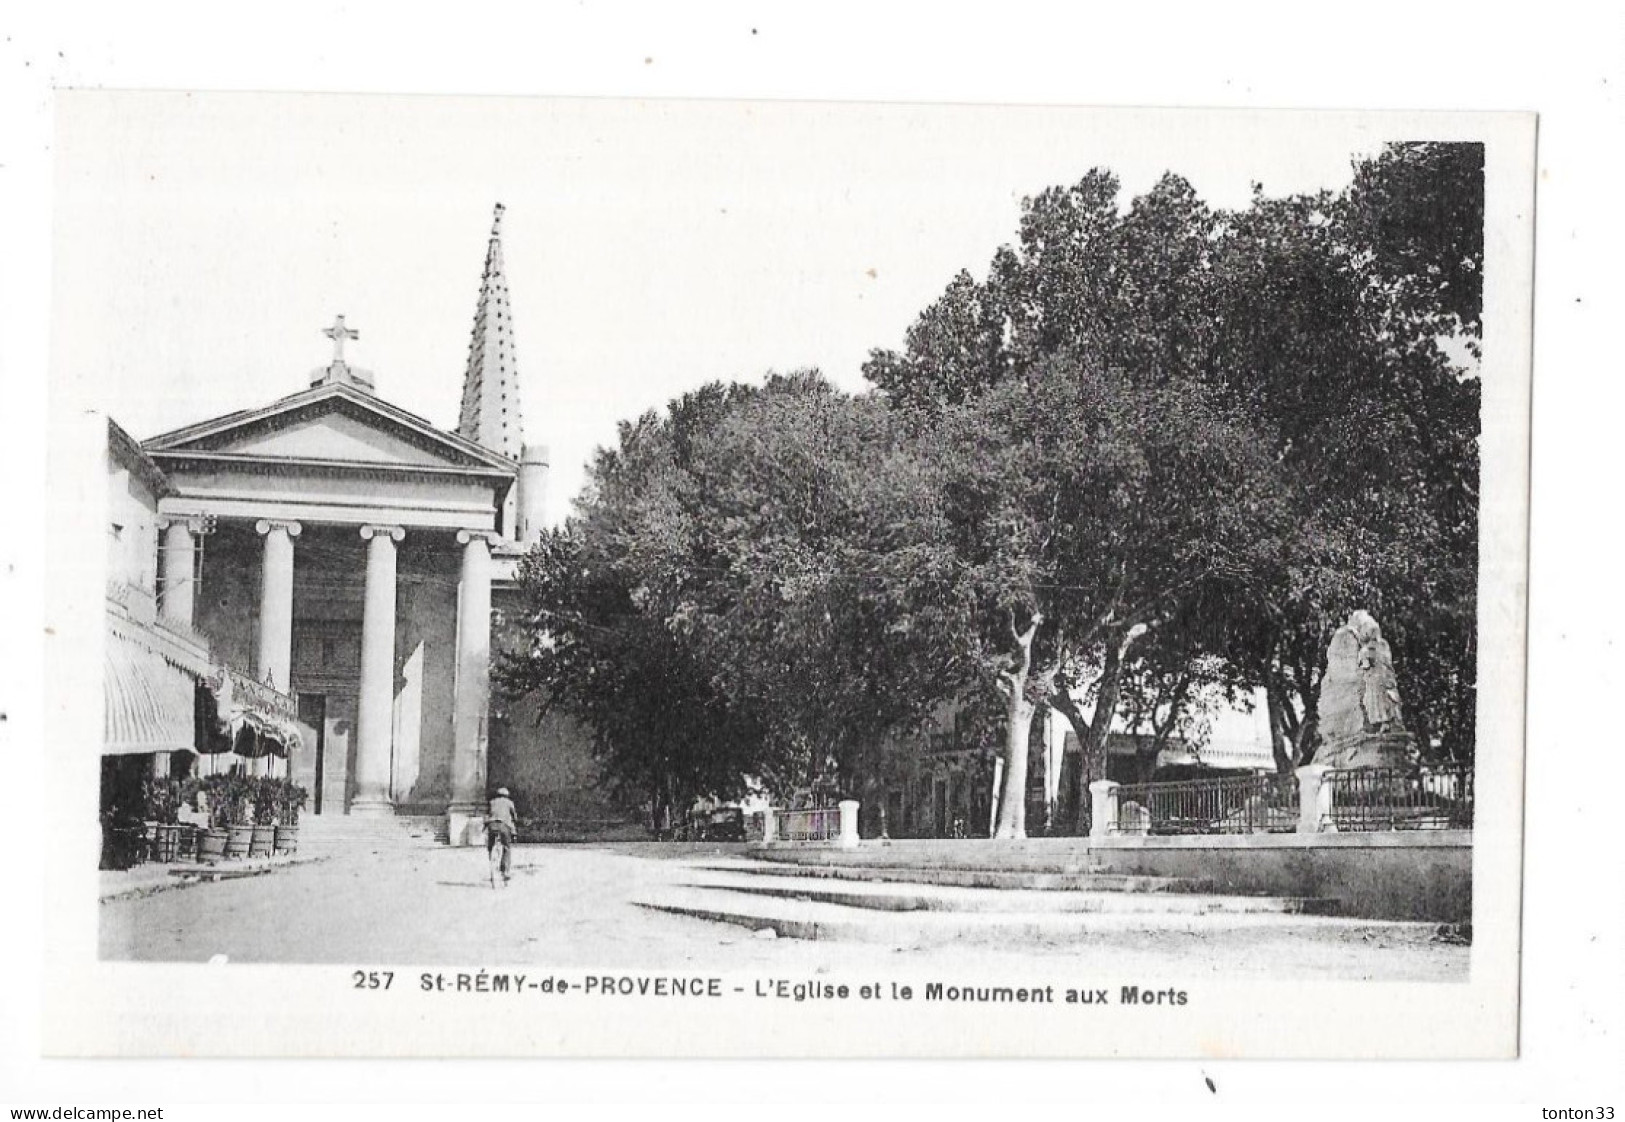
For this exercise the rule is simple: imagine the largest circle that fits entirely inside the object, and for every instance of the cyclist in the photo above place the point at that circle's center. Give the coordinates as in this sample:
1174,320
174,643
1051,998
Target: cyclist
500,824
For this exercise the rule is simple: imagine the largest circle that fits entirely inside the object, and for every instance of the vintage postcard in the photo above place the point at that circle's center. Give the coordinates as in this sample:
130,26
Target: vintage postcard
589,577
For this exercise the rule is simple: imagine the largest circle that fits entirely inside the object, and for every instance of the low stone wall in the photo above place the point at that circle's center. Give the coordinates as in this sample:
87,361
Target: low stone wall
1409,875
1419,875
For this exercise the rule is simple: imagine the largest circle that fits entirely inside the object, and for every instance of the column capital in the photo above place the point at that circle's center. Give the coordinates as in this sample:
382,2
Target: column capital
371,531
266,525
490,537
196,523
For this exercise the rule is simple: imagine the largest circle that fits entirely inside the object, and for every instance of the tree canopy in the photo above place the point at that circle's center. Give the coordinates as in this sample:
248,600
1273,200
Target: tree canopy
1158,450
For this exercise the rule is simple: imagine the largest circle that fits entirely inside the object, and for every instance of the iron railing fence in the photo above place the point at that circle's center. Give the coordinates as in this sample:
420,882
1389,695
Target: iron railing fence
821,824
1249,804
1438,797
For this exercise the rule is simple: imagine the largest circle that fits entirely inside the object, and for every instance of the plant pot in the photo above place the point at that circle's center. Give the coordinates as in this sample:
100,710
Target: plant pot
261,841
238,839
187,838
287,839
211,845
166,843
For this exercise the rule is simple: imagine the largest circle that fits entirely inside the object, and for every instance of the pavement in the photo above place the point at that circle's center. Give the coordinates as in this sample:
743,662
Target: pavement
152,876
578,906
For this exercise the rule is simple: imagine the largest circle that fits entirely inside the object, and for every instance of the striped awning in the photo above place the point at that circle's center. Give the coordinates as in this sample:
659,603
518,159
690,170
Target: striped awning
253,719
150,701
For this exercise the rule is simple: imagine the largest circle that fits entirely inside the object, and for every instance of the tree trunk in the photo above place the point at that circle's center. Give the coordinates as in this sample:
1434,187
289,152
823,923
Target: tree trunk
1092,734
1013,801
1092,764
1280,743
1064,704
1017,733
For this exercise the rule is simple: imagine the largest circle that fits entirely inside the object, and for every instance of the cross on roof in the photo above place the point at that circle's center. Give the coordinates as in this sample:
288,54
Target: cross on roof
339,333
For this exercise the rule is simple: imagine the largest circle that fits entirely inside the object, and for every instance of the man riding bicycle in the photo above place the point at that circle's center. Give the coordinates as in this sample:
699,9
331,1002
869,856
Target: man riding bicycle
499,824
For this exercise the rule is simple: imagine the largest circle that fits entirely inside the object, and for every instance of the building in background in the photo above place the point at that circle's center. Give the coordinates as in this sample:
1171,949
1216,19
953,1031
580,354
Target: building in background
152,670
355,558
169,701
943,782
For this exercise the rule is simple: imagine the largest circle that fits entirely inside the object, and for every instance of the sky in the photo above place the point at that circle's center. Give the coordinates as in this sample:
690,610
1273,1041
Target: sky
202,242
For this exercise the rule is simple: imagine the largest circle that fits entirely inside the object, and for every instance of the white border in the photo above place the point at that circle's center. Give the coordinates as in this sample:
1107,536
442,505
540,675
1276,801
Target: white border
1560,61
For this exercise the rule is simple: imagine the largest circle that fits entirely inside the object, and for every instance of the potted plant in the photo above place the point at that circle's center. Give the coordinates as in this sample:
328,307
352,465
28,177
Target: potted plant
208,795
267,797
237,806
163,798
291,800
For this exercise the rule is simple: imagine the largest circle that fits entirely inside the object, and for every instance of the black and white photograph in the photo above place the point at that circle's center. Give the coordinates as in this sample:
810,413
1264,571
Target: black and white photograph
1058,569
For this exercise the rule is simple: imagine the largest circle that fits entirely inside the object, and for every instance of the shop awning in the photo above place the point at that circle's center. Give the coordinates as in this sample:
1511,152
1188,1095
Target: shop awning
149,701
253,718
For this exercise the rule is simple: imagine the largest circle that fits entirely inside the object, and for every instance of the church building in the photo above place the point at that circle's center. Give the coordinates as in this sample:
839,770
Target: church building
351,555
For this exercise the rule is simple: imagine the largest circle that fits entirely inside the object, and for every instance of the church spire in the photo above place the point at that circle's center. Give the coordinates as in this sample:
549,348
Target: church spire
490,411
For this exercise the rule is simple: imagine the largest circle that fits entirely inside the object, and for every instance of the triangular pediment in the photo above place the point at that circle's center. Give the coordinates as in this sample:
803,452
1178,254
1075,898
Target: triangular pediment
332,436
331,424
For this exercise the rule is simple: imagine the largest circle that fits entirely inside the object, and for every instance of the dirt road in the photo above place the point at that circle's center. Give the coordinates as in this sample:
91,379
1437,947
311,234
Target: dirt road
572,907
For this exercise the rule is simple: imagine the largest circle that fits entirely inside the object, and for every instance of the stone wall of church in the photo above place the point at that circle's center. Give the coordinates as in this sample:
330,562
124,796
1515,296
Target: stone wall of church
425,677
548,766
227,607
329,568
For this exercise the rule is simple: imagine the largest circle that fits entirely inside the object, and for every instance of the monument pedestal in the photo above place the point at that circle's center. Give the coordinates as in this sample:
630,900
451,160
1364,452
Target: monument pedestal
465,825
1368,750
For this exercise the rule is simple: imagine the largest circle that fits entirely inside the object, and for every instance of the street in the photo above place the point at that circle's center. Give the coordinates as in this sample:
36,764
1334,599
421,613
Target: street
571,906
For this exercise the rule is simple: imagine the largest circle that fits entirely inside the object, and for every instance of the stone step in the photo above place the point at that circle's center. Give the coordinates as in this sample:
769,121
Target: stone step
799,919
363,823
976,878
980,855
909,897
336,833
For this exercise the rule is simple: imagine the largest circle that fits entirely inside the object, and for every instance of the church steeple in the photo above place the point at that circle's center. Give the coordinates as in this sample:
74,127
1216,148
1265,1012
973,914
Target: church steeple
490,411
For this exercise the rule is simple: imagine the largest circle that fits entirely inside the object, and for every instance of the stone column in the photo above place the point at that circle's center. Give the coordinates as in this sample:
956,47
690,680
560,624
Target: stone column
179,567
849,823
770,826
376,710
465,815
275,658
1314,798
1103,807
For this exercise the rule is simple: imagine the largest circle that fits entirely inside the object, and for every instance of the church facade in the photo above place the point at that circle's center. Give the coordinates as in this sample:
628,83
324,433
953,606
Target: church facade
356,557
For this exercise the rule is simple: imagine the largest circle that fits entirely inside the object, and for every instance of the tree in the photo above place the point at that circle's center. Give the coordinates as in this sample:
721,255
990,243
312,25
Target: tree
1338,320
1416,211
1166,695
817,599
1329,321
1083,509
664,731
756,555
665,736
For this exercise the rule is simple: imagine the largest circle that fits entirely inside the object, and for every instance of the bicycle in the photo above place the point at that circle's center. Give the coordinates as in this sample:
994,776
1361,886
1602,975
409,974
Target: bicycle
499,852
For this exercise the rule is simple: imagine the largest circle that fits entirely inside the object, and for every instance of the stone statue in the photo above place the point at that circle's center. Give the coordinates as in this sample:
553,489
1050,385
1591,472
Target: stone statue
1360,719
1379,691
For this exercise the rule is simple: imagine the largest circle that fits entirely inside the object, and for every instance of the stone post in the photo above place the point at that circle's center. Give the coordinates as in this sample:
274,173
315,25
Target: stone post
376,710
465,816
849,823
770,826
1103,807
1314,798
275,655
178,568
